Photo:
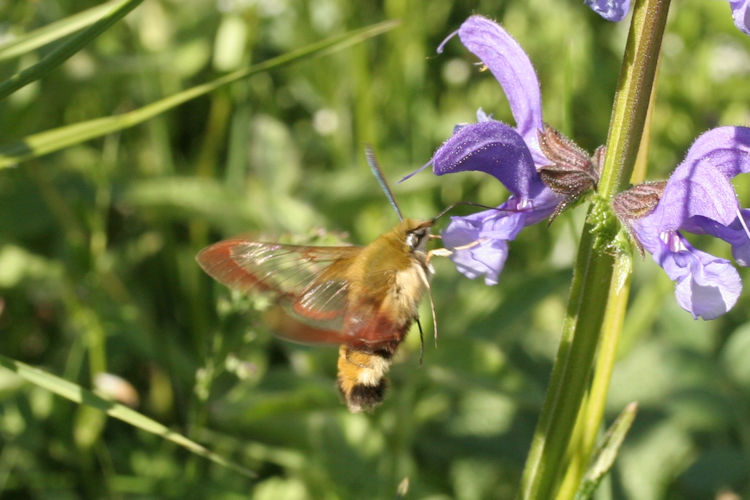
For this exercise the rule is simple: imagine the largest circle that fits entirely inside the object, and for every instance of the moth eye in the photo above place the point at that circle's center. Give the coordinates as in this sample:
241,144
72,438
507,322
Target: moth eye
412,240
415,239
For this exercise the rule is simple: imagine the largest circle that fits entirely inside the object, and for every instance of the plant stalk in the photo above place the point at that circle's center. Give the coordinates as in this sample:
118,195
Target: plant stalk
593,273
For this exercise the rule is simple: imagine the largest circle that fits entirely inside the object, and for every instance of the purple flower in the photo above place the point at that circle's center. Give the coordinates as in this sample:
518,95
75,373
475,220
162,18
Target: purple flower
611,10
616,10
741,14
480,241
699,198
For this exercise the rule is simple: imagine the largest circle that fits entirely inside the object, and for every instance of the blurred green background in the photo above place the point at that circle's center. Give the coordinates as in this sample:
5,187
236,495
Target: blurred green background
97,246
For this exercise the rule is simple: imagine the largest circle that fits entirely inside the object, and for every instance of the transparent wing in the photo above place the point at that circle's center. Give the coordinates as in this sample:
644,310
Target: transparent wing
308,282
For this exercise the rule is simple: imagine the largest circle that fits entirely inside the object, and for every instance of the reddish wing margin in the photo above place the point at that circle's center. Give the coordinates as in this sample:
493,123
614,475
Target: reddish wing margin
307,282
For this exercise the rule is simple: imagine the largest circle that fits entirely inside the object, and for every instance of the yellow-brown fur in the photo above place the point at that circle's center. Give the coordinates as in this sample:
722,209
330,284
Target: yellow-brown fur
389,279
361,377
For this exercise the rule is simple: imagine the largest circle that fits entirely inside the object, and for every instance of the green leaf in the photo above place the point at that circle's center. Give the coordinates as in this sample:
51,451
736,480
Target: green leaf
42,143
53,31
66,49
606,452
78,394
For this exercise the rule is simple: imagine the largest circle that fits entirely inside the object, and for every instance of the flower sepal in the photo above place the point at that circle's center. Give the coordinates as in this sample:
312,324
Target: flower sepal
572,171
638,201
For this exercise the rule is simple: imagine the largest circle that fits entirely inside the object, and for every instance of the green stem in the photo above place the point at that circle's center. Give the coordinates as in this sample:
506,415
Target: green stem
593,272
592,412
633,93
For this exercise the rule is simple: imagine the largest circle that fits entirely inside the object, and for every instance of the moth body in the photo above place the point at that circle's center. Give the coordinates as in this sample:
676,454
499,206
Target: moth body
363,298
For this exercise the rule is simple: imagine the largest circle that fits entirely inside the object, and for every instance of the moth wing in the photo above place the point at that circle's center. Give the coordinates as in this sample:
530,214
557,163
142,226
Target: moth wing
308,284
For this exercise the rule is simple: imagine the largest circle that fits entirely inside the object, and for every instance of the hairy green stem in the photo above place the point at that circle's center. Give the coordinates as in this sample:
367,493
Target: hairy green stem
633,93
591,413
593,273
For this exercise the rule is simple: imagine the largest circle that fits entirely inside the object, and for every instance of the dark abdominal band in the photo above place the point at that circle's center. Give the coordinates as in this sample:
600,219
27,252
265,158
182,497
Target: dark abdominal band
368,395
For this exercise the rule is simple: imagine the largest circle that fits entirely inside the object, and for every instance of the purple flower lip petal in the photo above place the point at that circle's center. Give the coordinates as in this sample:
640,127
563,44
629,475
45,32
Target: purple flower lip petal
512,68
741,14
495,148
479,248
706,286
724,148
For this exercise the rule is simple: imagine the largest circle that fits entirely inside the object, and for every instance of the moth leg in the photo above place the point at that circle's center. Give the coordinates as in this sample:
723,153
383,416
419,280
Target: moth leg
472,244
445,252
438,252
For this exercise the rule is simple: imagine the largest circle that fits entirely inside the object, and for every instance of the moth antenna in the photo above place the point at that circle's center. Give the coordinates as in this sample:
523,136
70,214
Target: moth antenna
372,161
421,340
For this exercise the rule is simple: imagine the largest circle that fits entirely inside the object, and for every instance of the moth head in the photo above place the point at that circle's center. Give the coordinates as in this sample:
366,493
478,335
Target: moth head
417,233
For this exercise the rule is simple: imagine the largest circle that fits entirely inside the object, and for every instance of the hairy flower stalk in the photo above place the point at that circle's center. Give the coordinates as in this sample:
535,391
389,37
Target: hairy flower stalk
544,171
588,317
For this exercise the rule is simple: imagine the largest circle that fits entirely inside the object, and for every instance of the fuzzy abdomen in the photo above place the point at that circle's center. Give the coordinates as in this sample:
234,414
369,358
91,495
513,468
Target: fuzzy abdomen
362,377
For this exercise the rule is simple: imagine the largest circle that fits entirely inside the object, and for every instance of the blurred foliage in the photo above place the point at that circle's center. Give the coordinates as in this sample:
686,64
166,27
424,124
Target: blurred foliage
97,246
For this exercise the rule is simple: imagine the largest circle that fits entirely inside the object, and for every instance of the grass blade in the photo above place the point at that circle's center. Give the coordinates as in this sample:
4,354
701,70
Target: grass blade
53,31
53,140
78,394
66,49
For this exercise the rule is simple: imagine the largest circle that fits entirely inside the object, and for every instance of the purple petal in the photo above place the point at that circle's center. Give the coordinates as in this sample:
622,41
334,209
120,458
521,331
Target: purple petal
484,258
611,10
699,198
741,14
495,148
707,286
695,189
736,234
480,242
513,70
534,209
725,148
